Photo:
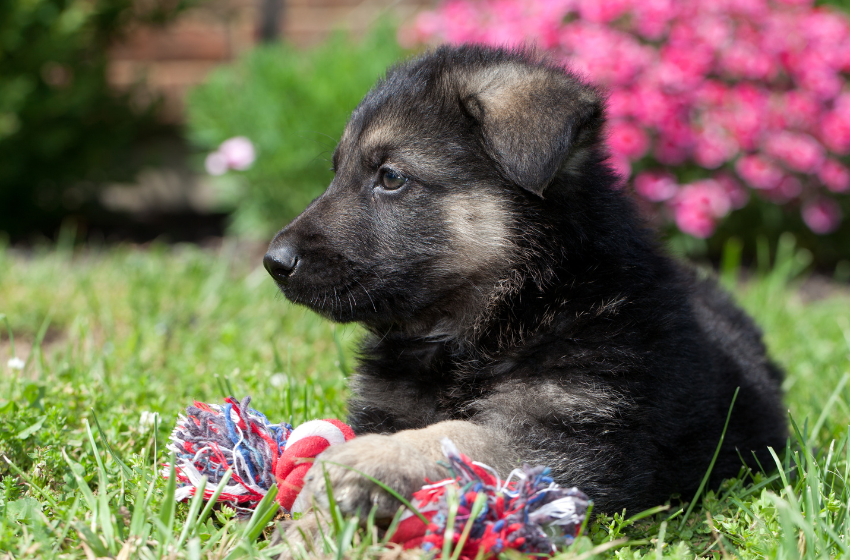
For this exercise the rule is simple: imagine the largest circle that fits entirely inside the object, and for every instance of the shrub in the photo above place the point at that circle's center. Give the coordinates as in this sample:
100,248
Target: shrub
292,105
716,107
62,131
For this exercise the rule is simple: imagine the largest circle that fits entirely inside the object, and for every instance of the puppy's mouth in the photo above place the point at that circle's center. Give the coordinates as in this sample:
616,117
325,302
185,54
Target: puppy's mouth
341,302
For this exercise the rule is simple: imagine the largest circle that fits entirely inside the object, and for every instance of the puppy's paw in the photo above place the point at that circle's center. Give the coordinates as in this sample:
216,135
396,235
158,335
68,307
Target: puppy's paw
389,459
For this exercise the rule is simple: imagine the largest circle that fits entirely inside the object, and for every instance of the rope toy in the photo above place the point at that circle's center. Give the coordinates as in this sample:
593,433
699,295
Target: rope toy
211,438
527,512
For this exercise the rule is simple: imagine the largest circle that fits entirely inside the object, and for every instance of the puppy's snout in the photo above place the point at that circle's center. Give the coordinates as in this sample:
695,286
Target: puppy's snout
281,262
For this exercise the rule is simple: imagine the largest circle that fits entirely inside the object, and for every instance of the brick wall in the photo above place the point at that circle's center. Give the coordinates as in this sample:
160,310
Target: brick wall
169,60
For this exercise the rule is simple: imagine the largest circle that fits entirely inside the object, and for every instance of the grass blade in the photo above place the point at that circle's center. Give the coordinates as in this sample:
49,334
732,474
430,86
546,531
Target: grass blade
30,481
82,485
477,506
264,512
69,521
710,465
448,536
830,403
192,516
214,498
336,516
343,543
166,509
389,490
128,472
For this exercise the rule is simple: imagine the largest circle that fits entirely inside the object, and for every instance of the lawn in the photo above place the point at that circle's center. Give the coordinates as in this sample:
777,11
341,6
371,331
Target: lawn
109,336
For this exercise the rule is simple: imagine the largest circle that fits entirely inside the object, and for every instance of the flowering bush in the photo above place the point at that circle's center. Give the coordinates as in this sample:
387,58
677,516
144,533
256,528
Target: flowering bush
710,101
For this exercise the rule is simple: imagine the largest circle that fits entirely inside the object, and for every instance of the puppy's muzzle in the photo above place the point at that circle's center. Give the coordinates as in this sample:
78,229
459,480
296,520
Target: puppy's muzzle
281,262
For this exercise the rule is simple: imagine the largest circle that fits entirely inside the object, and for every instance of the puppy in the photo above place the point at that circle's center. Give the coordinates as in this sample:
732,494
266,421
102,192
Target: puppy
514,300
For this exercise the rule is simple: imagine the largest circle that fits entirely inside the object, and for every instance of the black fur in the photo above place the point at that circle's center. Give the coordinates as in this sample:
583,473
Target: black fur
577,337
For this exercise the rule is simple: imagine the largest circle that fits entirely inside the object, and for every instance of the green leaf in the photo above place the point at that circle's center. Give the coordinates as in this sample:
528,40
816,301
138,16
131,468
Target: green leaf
33,393
30,430
22,509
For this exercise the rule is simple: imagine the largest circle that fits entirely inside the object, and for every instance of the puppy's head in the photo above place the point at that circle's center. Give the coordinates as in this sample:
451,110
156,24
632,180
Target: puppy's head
423,220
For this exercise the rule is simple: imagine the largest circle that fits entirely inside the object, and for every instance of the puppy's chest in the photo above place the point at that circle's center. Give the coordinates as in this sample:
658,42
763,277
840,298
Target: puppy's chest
442,388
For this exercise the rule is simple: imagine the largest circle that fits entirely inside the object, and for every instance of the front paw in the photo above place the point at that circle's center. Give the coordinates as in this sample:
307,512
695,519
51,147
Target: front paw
398,464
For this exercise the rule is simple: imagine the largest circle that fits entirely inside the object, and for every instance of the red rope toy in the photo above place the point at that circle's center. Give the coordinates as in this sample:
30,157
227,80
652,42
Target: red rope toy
528,512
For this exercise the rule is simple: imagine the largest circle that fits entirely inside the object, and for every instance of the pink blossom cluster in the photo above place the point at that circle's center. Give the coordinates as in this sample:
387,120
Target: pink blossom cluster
751,92
234,153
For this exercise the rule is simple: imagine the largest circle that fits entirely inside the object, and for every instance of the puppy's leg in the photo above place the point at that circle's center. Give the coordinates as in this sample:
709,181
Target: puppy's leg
403,461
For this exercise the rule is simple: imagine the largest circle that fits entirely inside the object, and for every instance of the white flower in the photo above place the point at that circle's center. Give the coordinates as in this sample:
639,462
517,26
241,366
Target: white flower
148,418
16,363
278,380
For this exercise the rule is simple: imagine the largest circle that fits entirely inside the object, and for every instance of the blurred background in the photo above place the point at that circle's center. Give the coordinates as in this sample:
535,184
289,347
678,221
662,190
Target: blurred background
186,120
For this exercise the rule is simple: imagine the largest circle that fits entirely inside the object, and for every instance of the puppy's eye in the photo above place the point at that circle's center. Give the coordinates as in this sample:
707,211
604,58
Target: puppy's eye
391,180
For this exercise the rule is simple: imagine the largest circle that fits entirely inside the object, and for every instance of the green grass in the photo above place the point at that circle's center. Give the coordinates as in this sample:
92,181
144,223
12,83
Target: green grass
111,334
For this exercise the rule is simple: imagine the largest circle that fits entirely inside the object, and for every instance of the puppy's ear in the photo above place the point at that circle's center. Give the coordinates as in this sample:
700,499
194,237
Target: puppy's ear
533,120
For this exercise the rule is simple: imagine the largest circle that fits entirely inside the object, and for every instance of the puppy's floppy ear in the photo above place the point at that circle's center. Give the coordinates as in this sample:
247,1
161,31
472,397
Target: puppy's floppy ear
532,119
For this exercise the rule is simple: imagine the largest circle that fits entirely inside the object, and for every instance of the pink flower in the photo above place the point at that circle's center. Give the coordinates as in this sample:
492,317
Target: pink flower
653,17
800,109
822,216
758,172
239,152
835,131
650,105
754,9
835,176
747,114
799,152
235,153
619,103
670,152
628,139
710,194
612,58
825,28
711,93
656,185
813,73
714,147
745,60
683,69
693,219
462,22
602,12
699,205
777,34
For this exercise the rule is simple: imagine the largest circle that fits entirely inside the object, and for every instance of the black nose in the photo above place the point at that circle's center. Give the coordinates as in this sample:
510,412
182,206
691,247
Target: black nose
280,262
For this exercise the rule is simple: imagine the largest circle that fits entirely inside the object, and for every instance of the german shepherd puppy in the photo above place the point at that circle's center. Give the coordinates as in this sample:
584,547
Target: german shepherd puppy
514,300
